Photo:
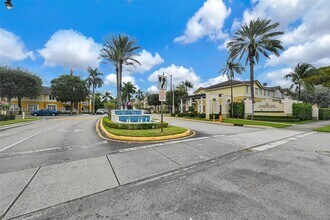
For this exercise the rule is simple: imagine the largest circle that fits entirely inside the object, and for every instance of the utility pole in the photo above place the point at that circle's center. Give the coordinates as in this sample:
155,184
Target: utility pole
173,107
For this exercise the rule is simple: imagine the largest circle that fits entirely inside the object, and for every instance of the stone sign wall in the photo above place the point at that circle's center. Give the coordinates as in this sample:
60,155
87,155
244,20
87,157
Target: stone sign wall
269,106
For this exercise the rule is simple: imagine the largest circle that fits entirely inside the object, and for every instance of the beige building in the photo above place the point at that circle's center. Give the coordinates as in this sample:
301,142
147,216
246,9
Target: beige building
215,99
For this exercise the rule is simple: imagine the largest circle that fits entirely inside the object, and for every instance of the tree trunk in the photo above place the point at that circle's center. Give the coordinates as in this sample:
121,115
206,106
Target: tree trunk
118,88
19,100
71,107
299,92
93,99
252,85
232,97
120,82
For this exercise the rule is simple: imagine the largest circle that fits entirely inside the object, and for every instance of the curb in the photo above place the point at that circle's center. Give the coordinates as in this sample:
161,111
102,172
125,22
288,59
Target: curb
110,136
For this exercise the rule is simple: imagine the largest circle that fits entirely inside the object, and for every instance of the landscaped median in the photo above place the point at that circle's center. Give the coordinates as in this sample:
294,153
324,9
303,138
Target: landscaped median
9,122
143,134
323,129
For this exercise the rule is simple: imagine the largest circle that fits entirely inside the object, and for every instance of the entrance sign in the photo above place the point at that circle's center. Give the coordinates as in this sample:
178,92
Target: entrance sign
162,82
162,95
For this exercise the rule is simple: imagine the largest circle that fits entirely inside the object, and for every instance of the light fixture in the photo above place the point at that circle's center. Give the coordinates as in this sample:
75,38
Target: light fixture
8,4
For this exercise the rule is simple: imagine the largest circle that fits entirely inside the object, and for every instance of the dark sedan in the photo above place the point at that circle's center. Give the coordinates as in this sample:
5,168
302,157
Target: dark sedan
45,112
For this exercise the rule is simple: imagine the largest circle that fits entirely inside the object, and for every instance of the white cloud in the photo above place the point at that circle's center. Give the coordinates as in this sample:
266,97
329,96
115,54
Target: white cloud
207,21
180,74
12,48
147,61
276,78
315,51
71,49
111,79
152,90
306,26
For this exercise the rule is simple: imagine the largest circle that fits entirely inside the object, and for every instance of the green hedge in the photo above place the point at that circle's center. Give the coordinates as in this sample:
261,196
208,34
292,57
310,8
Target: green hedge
7,117
238,110
173,114
302,111
107,122
274,118
324,113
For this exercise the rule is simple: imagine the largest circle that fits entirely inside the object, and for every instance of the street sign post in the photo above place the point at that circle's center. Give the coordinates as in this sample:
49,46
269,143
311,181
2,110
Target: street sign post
162,86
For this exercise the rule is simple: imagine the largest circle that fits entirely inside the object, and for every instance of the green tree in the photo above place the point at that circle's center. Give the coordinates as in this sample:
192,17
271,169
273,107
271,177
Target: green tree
254,39
139,95
322,77
120,51
69,88
94,80
98,101
128,90
320,96
229,70
7,82
298,76
107,96
187,85
153,99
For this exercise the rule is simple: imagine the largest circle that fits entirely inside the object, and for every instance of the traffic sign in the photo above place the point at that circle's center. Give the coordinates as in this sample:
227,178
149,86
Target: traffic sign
162,95
162,82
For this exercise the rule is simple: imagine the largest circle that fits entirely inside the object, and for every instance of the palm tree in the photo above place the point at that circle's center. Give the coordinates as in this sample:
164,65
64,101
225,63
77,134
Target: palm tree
120,51
187,85
251,40
139,95
229,70
107,96
128,90
299,75
95,81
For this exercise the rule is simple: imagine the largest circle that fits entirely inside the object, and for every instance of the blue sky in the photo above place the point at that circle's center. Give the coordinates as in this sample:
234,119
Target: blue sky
184,38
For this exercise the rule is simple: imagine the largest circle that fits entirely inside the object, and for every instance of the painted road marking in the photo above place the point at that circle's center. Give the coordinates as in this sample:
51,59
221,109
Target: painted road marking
281,142
27,138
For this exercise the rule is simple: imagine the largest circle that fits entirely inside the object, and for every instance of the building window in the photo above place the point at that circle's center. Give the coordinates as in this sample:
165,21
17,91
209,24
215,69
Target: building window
265,92
268,93
33,107
256,91
260,91
51,97
246,89
51,107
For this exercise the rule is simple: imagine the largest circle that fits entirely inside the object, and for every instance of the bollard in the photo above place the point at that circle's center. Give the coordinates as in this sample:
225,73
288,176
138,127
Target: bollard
23,115
220,118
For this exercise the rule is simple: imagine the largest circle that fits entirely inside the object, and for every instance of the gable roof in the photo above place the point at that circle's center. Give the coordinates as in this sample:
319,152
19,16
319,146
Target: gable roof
227,84
45,90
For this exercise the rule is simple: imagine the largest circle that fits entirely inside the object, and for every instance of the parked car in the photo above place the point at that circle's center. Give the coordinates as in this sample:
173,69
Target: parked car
101,111
45,112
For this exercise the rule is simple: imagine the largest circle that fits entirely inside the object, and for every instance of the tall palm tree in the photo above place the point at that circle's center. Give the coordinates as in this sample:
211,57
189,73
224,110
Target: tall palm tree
187,85
94,80
299,75
251,40
229,70
120,51
128,90
139,95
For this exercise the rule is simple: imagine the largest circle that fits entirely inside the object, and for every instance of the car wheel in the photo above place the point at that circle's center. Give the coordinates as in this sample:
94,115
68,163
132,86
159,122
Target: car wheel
35,114
53,114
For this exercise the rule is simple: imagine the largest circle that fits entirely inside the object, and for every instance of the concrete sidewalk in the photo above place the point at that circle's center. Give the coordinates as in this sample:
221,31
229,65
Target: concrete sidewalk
30,190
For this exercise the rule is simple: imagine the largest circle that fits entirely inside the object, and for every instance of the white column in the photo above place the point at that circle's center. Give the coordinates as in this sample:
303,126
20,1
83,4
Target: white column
207,106
315,113
247,107
190,102
181,105
201,105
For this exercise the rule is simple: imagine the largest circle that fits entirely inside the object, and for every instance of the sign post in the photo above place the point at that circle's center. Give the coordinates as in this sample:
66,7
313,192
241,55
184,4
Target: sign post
162,86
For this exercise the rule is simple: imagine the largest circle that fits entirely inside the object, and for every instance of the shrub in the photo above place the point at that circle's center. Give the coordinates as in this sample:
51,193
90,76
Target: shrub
7,117
173,114
201,115
191,109
303,111
274,118
324,113
107,122
238,109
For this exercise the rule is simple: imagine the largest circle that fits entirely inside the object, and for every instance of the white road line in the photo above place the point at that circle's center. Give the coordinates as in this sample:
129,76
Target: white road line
27,138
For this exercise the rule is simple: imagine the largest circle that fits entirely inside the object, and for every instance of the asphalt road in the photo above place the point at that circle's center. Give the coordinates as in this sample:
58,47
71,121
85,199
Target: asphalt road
53,140
61,139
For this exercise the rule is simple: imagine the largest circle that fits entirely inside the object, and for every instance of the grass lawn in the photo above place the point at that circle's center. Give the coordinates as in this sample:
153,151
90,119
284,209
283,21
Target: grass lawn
9,122
254,122
146,132
323,129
